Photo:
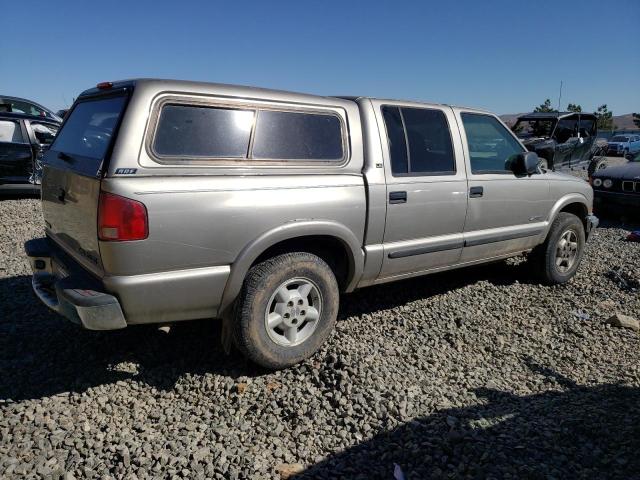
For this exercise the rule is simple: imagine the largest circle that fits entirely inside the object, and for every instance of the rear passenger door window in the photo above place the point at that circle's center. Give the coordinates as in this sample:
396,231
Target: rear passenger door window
419,141
10,132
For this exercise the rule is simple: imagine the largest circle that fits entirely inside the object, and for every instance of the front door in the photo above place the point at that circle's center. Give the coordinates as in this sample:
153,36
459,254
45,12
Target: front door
506,213
16,157
426,185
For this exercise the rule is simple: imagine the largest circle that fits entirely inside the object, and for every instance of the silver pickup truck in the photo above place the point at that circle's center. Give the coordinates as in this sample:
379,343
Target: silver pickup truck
168,200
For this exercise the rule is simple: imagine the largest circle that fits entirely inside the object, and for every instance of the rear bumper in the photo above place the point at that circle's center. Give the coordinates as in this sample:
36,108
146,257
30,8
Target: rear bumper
114,302
76,296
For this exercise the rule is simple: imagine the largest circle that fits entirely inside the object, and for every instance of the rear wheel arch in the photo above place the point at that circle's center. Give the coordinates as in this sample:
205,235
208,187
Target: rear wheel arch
331,241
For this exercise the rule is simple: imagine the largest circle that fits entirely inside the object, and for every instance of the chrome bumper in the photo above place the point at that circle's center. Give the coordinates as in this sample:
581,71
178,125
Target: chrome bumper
76,297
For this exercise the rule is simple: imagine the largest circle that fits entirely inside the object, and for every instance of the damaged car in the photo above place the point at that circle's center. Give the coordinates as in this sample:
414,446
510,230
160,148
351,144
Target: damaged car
23,141
561,139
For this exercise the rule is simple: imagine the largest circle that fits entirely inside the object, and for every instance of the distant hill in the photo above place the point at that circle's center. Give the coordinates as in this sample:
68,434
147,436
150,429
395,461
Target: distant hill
622,122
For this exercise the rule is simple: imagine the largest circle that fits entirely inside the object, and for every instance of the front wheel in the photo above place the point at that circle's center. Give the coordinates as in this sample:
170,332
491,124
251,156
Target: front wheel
286,310
557,259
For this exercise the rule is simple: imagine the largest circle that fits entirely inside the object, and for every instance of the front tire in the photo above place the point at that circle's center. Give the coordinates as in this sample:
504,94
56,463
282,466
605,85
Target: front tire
557,259
286,310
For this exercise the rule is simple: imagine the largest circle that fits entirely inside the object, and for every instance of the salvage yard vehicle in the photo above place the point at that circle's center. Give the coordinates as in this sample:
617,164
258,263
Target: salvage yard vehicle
561,139
27,107
169,200
23,141
618,185
623,145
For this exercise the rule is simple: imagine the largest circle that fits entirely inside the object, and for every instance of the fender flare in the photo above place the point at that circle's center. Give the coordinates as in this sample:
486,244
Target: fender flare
563,202
289,231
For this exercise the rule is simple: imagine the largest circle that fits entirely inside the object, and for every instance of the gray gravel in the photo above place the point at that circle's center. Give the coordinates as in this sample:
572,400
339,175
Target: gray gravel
477,373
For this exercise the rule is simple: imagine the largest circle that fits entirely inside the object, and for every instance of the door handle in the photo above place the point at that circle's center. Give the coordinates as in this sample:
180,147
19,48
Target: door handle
397,197
475,192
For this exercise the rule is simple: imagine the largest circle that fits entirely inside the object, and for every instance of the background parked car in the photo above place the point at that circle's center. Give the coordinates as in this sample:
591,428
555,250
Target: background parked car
62,113
23,141
623,144
618,186
561,139
28,107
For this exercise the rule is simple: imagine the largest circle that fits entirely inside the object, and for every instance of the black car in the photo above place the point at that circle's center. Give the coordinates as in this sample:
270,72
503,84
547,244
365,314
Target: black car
28,107
23,141
561,139
618,185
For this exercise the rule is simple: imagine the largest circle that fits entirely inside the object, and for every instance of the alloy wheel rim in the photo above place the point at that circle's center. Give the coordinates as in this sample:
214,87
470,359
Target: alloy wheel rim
566,251
293,312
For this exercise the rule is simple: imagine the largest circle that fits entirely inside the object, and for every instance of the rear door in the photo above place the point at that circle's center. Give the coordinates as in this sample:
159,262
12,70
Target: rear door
426,185
72,171
16,159
506,212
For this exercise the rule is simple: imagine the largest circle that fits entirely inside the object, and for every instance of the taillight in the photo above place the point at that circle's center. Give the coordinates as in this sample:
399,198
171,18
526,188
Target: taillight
120,218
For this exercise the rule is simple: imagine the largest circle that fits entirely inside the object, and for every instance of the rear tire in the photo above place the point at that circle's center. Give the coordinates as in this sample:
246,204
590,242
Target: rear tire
286,310
557,259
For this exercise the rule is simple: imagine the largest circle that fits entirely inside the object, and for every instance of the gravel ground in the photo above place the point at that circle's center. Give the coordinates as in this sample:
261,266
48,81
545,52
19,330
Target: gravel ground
477,373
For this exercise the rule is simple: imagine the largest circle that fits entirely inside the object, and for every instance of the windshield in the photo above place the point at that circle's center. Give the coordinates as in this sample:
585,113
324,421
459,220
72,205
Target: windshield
533,128
619,138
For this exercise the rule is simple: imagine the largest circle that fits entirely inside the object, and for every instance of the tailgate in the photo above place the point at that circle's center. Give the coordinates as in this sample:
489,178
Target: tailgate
72,172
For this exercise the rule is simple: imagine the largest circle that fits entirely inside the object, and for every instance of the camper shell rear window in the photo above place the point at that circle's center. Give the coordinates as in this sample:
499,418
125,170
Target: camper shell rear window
86,137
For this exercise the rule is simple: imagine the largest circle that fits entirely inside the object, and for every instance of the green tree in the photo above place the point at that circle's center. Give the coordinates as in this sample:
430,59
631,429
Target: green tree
545,107
574,108
636,119
605,118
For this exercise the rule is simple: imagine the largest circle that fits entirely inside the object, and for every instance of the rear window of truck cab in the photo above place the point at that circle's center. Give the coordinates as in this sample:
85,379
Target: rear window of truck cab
187,132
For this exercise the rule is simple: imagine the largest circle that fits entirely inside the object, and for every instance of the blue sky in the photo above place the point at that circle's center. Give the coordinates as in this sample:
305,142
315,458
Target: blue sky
506,56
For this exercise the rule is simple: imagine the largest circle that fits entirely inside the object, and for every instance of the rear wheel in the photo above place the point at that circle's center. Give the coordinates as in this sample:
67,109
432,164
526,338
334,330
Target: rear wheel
557,259
286,310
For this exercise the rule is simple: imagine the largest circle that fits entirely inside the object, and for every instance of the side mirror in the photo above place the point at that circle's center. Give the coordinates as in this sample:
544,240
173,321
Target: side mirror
525,163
